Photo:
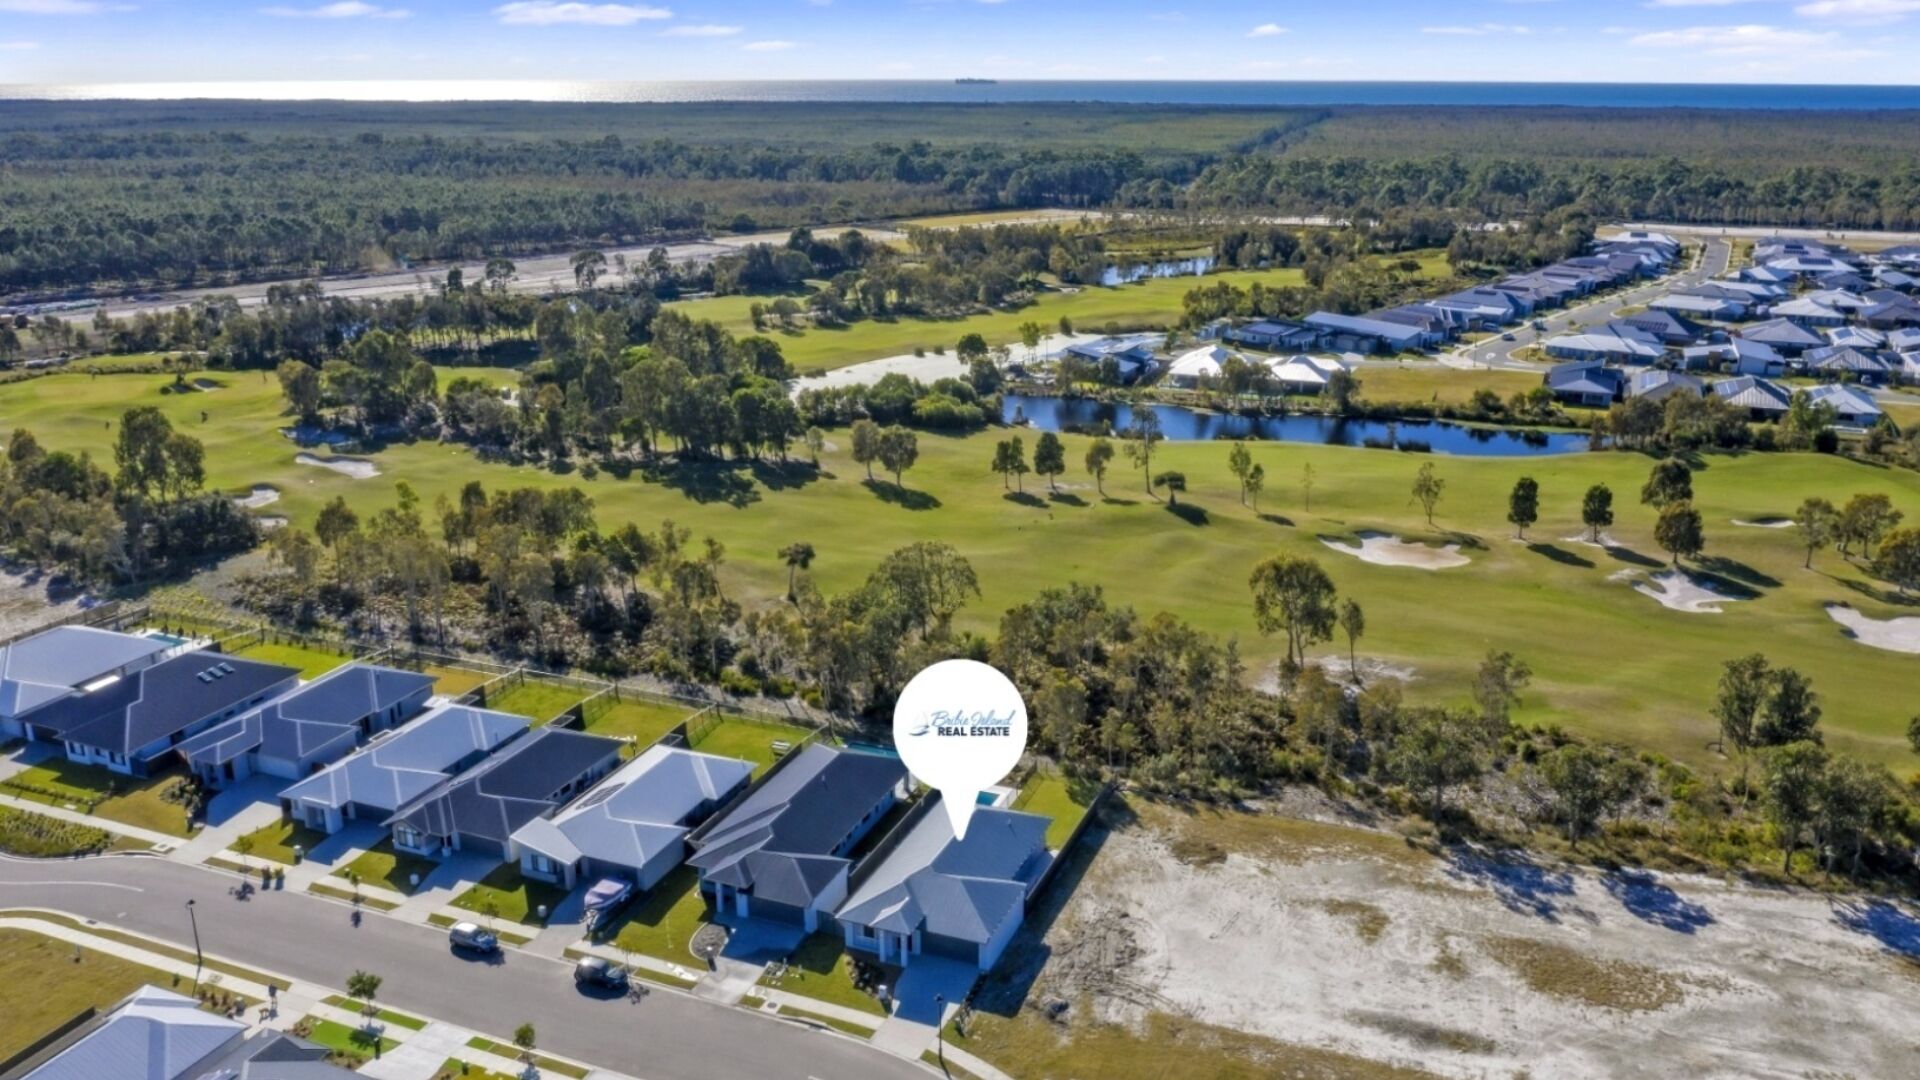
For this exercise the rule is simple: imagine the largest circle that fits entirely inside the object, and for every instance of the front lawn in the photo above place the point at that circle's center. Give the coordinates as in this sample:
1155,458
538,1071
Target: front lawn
383,866
821,969
275,842
750,740
504,894
41,987
1060,798
662,923
539,701
508,1050
38,836
643,721
312,662
351,1045
455,682
385,1016
129,800
455,1069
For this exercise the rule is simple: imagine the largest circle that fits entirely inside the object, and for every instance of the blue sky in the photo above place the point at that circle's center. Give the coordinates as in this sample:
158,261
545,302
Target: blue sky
92,41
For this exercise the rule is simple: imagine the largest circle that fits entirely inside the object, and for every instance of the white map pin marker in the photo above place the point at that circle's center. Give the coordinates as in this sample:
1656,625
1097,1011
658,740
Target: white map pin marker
961,727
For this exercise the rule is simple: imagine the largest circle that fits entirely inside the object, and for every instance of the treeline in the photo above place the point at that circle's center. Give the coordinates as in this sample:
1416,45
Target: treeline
64,512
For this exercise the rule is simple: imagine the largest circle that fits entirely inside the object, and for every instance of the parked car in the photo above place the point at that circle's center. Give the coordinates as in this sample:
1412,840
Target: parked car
1508,336
597,971
469,936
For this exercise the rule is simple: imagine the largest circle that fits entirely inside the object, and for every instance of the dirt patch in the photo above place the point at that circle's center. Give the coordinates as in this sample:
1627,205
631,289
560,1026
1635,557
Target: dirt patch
1369,670
357,468
1368,920
1431,1036
1383,549
30,598
1894,635
1678,591
261,495
1563,972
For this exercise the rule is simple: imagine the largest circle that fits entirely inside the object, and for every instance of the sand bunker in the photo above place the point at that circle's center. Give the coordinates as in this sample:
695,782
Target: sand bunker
261,495
1606,540
1893,635
270,522
1682,593
358,468
1383,549
1763,523
207,385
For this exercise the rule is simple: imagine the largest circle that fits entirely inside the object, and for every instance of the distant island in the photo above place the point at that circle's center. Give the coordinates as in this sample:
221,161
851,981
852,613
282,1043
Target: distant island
976,82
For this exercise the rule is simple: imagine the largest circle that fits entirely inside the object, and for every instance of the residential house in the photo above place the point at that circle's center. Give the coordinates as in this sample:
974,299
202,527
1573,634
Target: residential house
1743,355
1847,280
480,809
634,825
130,723
1131,357
1354,333
1859,337
1659,384
1847,361
1488,306
1807,266
1665,326
1852,407
1189,368
1585,382
398,767
53,664
1767,275
1910,368
1763,399
1618,341
1808,311
1719,309
155,1034
1276,336
1891,314
308,728
1904,341
1889,278
1784,336
1305,374
781,852
930,893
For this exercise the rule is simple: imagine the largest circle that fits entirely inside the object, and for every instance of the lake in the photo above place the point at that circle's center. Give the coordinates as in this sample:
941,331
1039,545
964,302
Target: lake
1127,275
1179,422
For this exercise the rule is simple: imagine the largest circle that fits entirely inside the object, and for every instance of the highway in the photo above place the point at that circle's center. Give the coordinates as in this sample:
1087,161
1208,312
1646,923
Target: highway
665,1036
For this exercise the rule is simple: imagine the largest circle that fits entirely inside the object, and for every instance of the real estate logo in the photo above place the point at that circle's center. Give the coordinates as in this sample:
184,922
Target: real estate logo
961,727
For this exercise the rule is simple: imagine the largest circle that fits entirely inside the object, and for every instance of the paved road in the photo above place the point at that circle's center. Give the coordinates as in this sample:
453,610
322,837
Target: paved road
1497,353
667,1036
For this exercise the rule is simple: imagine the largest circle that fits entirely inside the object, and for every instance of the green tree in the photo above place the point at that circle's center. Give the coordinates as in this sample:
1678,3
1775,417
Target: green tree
1306,486
1584,785
525,1038
1742,694
588,265
1256,480
1240,464
1293,595
1050,458
898,450
798,556
1791,712
1175,482
300,384
1030,334
1496,688
1427,489
1596,510
1865,520
1523,505
1140,438
1817,522
1913,732
1669,482
1341,389
1099,457
816,441
1679,531
336,522
1353,622
1436,752
866,444
1792,782
363,987
970,348
1898,560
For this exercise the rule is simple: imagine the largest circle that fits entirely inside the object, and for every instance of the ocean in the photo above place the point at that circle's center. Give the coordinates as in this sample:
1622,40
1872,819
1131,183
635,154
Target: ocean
1252,94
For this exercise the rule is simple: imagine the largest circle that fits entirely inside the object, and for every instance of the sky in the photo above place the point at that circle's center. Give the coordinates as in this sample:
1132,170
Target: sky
1766,41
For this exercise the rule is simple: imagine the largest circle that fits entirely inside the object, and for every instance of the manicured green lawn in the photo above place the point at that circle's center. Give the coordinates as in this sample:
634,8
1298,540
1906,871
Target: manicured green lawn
454,682
662,923
515,898
643,721
275,842
354,1042
1055,796
383,866
126,799
312,662
385,1016
41,987
508,1050
821,969
536,700
455,1069
38,836
1606,659
749,740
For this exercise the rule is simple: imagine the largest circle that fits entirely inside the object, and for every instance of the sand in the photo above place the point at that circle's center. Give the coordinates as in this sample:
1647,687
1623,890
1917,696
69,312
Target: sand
28,599
1763,523
1894,635
261,495
358,468
1677,591
1606,540
929,367
1383,549
207,385
270,522
1343,938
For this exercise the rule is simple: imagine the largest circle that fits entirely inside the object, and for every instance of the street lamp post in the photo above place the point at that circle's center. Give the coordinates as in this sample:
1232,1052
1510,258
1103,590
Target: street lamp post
198,960
940,1028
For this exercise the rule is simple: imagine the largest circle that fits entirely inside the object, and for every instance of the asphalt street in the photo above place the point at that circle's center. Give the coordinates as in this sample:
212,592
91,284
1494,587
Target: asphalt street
665,1036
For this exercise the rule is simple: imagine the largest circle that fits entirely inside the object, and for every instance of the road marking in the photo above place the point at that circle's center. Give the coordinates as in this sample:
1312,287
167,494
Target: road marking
93,884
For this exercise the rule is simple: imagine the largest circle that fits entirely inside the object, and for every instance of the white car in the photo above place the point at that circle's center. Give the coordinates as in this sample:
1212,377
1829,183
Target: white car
466,935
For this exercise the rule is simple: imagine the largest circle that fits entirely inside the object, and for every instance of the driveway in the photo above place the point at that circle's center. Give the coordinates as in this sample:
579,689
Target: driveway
665,1036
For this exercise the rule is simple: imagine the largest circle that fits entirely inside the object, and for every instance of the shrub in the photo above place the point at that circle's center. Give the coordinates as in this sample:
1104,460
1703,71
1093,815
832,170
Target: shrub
41,837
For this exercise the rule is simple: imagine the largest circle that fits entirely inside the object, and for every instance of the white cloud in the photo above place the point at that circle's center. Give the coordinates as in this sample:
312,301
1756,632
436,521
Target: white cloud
1692,3
1267,30
770,46
552,13
1748,40
701,30
345,9
1480,30
51,7
1861,12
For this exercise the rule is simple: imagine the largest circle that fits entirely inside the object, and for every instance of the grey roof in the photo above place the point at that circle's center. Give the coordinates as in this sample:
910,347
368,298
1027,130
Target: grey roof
1847,358
395,768
961,889
1782,332
161,700
322,713
1352,324
1752,392
49,665
527,779
1660,383
152,1034
1846,400
780,840
1585,377
639,811
271,1055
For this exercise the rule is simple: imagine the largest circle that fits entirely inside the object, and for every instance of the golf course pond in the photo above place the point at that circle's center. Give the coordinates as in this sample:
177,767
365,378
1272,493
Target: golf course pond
1179,422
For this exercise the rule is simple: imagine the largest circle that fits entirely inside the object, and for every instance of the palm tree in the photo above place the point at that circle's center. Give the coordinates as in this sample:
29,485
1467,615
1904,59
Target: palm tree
799,556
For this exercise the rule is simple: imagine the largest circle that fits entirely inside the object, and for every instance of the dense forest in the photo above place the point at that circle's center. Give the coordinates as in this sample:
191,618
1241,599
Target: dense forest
140,194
